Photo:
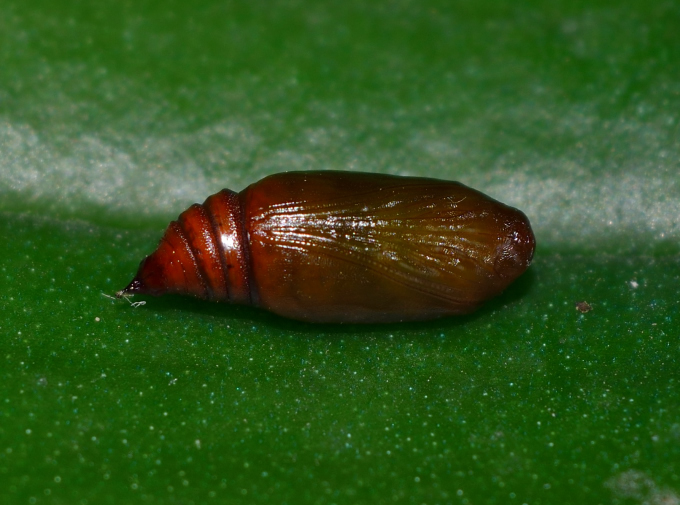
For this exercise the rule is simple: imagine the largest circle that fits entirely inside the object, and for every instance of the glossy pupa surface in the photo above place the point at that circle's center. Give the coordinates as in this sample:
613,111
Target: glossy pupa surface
343,247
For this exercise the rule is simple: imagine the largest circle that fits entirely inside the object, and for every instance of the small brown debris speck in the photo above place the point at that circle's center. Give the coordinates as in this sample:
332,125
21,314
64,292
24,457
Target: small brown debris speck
583,307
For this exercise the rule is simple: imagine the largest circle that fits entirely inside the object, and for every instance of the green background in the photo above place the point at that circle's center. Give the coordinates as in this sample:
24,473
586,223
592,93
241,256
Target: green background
116,115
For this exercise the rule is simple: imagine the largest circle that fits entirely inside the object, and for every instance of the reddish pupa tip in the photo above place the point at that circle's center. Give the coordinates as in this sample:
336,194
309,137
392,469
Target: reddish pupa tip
135,286
149,280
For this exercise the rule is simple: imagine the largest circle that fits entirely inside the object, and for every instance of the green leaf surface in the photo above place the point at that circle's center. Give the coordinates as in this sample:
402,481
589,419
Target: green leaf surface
115,116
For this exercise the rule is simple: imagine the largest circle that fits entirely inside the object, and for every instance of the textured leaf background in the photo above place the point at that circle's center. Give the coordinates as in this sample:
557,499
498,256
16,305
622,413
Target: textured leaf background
116,115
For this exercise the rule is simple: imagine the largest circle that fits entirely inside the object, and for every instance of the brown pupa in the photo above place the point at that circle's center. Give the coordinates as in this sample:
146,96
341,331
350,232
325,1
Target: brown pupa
343,247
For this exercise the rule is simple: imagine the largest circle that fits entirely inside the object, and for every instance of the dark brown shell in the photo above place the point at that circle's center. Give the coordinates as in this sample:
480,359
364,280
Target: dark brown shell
343,247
